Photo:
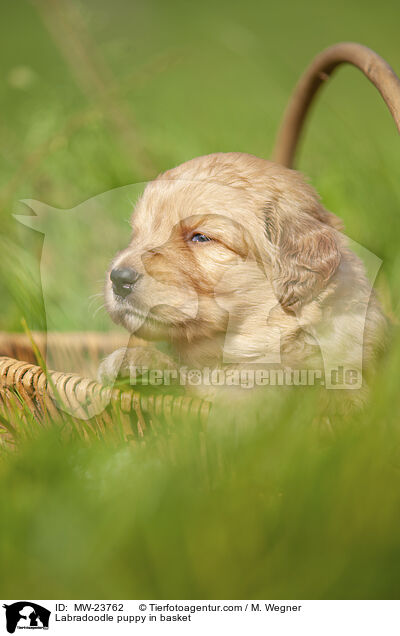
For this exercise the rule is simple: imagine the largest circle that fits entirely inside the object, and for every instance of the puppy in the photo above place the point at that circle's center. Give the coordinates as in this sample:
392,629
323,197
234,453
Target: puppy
234,261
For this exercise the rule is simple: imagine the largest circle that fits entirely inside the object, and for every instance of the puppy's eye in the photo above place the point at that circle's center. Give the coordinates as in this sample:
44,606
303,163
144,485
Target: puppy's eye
199,238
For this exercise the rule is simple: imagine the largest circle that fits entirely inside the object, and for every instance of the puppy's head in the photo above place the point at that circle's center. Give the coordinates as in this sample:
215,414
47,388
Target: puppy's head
220,235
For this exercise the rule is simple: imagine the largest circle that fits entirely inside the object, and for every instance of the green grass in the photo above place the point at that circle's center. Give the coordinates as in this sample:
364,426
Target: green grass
275,509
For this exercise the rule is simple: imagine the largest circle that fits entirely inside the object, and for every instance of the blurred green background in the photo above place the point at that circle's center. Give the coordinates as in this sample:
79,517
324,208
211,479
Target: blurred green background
96,96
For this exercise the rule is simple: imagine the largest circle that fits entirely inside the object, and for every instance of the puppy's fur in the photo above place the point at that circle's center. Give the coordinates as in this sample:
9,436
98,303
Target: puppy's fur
276,280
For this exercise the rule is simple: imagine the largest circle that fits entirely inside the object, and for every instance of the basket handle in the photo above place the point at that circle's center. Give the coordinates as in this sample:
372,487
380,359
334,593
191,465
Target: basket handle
374,67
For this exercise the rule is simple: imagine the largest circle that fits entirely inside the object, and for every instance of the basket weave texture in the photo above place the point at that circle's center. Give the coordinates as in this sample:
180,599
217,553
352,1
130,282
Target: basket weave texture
38,398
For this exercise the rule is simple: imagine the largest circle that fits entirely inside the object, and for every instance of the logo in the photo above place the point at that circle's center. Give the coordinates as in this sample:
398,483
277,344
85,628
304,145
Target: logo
26,615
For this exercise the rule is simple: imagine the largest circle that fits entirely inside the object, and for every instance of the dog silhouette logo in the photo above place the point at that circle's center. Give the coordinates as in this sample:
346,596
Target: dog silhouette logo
26,615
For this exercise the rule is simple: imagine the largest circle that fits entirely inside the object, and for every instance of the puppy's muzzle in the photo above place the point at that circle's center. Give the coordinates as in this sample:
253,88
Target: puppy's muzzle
123,281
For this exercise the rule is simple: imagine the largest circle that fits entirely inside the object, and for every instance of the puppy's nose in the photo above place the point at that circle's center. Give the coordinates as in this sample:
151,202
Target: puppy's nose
123,280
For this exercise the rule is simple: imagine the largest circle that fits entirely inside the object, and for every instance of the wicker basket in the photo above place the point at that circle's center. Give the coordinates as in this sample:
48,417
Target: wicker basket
38,395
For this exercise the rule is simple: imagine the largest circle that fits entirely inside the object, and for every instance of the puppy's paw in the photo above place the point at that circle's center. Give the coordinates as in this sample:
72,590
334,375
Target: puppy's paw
130,362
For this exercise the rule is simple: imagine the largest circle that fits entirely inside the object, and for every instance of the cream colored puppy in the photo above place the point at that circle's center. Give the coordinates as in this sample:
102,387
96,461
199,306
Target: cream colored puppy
235,262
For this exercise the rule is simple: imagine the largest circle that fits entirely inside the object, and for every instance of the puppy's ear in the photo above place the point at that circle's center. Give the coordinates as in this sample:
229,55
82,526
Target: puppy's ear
305,253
